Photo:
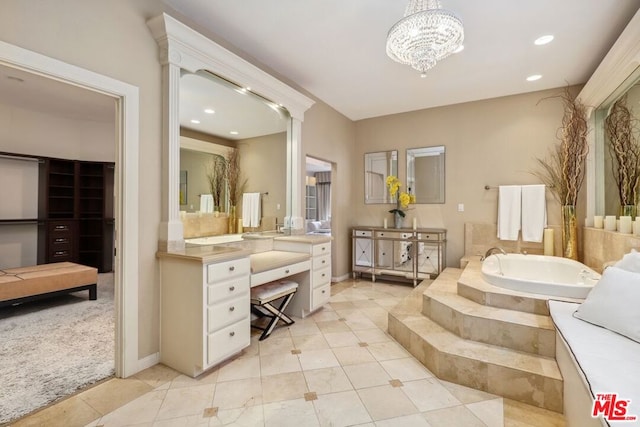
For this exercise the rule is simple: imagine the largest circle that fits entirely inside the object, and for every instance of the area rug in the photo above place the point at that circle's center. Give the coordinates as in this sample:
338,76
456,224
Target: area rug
53,347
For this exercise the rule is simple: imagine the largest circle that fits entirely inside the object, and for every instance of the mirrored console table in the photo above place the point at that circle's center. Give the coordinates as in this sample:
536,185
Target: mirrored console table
399,253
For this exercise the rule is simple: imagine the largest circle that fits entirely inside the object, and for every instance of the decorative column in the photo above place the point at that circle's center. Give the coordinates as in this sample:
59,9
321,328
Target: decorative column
294,219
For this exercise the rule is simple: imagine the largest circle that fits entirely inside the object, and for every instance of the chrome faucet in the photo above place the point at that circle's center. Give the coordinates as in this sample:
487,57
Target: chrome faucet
491,251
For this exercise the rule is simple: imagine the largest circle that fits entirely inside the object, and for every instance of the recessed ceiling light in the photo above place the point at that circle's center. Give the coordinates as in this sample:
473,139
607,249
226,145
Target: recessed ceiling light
534,77
209,111
543,40
459,49
234,132
195,121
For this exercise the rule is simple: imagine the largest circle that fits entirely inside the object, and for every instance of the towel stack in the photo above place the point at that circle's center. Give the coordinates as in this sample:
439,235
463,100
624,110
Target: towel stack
522,206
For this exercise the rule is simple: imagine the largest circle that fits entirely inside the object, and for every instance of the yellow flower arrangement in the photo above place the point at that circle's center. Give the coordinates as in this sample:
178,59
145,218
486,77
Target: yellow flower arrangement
403,199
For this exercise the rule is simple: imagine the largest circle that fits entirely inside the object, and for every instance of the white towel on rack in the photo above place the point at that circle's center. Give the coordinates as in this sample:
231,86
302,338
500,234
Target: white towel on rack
206,203
534,212
251,209
509,211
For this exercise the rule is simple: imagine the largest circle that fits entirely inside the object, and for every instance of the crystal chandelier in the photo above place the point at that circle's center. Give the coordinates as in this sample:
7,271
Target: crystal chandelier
426,35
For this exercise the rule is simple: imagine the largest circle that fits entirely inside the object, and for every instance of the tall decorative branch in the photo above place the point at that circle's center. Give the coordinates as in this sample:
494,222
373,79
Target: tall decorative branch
621,128
234,177
216,175
563,170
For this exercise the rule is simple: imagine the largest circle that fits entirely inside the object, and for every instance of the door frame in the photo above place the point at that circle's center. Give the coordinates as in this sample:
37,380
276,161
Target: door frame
126,98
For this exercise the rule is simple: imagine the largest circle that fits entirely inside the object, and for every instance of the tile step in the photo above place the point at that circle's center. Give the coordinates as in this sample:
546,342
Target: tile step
528,378
522,331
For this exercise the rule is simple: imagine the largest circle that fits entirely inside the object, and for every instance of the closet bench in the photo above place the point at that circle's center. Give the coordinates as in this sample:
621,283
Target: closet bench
25,284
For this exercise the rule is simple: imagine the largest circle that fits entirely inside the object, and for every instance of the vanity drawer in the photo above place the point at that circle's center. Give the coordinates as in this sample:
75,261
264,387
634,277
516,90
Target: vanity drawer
228,269
225,290
321,249
321,296
279,273
362,233
321,277
227,341
321,261
228,312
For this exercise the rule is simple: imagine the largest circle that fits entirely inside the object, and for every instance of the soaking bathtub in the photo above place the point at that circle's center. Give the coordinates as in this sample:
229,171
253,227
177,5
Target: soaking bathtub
539,274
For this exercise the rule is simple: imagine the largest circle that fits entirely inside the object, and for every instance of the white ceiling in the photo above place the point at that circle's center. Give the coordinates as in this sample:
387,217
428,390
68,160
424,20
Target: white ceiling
335,49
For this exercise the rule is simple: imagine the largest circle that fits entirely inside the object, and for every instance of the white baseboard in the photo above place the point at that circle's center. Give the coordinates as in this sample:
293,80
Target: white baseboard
340,278
149,361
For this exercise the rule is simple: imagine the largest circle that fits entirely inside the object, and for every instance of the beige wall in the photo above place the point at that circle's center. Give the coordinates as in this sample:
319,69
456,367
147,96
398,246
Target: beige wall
263,162
196,164
328,135
32,132
110,38
490,142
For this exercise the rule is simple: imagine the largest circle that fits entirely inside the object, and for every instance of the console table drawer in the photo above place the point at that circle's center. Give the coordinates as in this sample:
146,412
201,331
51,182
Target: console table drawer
228,341
225,313
362,233
227,270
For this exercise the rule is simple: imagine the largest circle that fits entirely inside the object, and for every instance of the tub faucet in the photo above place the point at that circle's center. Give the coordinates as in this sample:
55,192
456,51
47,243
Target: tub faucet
491,251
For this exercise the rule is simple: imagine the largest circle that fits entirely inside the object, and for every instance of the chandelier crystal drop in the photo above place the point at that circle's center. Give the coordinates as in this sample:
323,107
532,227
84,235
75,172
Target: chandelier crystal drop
426,35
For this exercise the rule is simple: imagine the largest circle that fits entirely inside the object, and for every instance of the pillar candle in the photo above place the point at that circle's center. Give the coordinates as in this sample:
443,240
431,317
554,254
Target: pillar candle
415,223
385,223
637,230
625,224
610,223
548,241
240,226
598,221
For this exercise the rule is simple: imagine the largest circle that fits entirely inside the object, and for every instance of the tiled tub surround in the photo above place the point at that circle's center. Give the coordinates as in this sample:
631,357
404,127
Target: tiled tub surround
602,246
472,333
478,237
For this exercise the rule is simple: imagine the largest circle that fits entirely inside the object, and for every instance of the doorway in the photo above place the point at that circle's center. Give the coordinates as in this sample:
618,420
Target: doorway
318,194
126,190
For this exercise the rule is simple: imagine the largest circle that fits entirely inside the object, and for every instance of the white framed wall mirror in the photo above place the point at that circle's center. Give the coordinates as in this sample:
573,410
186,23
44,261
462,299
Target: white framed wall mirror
426,174
377,167
608,198
216,117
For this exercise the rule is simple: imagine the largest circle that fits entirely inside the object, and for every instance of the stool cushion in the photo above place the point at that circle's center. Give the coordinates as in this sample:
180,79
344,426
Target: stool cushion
274,290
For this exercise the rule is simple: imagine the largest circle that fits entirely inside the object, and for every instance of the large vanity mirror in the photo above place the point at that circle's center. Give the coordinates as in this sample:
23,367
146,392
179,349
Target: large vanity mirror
425,174
216,118
377,167
607,192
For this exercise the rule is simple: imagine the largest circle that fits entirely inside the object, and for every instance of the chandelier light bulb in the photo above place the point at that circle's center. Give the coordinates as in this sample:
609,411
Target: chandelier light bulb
427,34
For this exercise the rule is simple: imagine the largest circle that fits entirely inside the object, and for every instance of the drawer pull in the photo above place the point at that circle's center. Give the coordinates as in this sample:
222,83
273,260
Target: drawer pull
324,261
231,333
60,240
323,274
323,291
232,268
232,308
286,271
323,248
61,227
58,253
232,288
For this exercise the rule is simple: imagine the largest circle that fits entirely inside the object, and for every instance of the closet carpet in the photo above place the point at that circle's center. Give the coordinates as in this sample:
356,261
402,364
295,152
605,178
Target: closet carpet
51,348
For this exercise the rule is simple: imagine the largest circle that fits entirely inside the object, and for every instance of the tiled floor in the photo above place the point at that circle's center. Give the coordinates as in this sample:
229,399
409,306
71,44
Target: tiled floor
337,367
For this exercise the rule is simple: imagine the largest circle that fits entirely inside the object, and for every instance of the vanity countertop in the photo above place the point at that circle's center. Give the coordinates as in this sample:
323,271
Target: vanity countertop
264,261
305,238
206,254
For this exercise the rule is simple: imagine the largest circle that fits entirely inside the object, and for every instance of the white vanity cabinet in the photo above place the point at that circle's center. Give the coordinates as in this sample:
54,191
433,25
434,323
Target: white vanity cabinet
204,312
317,292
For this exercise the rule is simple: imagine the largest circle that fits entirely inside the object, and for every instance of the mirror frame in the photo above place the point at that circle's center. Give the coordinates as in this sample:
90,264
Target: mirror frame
391,169
183,48
412,153
618,65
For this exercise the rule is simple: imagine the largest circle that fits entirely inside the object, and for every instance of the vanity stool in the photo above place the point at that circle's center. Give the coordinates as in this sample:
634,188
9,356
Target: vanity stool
261,298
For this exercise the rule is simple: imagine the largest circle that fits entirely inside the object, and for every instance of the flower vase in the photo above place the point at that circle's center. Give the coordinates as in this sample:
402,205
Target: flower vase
397,220
232,219
569,232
